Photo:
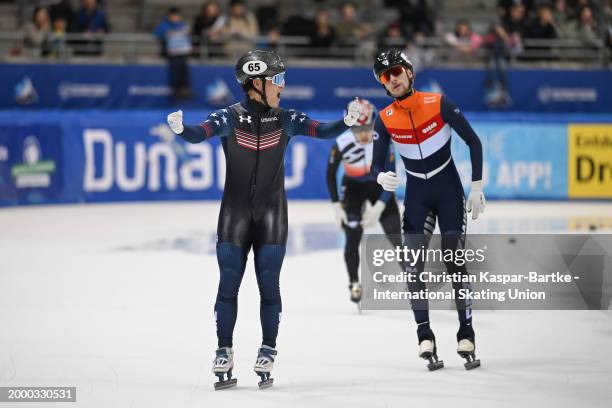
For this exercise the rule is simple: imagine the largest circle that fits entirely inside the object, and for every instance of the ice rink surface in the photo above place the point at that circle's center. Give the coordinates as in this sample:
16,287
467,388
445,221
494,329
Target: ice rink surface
117,300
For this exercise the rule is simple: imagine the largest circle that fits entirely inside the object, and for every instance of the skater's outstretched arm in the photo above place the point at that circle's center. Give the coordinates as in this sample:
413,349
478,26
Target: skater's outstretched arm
218,123
298,123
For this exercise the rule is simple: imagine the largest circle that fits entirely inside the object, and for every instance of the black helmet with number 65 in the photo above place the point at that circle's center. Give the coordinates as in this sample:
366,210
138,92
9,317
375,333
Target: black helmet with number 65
258,64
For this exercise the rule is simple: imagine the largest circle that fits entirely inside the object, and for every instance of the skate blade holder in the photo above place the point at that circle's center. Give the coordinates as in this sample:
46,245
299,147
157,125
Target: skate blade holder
266,380
223,384
471,361
434,363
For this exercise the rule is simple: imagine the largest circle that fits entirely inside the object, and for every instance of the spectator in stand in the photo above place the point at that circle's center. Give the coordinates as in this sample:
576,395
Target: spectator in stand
173,35
206,26
323,34
496,85
349,29
543,26
575,6
504,7
91,21
420,57
269,22
607,11
37,33
239,30
587,27
515,25
392,38
415,18
62,10
58,37
464,41
564,24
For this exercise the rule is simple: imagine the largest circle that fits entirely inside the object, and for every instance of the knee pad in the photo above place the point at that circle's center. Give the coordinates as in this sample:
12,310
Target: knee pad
232,260
268,263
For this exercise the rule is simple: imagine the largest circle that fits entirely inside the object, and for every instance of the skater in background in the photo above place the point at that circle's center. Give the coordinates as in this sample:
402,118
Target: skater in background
254,134
353,149
419,124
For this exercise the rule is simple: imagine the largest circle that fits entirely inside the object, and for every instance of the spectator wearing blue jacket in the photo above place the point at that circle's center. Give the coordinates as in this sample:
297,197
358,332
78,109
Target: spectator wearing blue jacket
91,21
174,36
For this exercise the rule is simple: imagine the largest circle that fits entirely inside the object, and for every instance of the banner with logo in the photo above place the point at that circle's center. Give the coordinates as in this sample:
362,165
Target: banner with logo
590,160
31,164
99,156
146,86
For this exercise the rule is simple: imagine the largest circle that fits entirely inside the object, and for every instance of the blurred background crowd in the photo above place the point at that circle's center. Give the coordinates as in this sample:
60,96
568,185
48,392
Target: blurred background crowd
431,31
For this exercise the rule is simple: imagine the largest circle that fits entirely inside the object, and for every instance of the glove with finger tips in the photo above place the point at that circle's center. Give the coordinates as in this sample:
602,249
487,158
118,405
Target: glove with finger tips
353,112
388,180
175,121
339,213
476,202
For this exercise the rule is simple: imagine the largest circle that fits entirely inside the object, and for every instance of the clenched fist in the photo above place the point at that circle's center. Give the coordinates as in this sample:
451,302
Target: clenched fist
175,121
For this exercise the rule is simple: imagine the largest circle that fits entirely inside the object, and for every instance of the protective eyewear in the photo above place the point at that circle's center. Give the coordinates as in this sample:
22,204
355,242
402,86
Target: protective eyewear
278,79
395,71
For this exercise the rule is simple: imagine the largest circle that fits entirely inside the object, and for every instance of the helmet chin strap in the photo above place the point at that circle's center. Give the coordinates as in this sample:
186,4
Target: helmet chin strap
262,94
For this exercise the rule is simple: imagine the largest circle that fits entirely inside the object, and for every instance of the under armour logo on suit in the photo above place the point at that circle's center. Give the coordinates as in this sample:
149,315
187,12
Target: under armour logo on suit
247,119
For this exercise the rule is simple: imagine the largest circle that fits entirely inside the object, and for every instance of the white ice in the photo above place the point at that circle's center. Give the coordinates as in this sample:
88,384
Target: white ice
117,300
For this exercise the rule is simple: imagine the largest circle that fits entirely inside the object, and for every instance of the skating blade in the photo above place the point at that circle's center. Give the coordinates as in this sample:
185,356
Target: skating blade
472,364
435,365
266,383
222,385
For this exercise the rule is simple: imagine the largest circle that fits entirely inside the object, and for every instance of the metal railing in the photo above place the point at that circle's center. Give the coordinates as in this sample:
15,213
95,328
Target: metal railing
143,47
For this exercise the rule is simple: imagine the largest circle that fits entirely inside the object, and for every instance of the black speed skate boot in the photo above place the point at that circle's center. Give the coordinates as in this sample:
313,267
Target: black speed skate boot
466,347
427,347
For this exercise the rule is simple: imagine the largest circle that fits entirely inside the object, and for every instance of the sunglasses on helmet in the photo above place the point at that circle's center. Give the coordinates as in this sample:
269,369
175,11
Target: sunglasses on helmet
395,71
278,79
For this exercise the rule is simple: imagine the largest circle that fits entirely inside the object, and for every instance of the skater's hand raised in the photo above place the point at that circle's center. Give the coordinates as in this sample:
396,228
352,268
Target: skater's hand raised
353,111
476,200
339,213
388,180
175,121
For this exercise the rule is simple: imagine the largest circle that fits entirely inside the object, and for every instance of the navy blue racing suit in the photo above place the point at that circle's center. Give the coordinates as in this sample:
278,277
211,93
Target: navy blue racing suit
254,206
420,127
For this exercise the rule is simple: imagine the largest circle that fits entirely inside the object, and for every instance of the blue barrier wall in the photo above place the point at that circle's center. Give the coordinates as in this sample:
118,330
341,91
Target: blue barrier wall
98,156
138,86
